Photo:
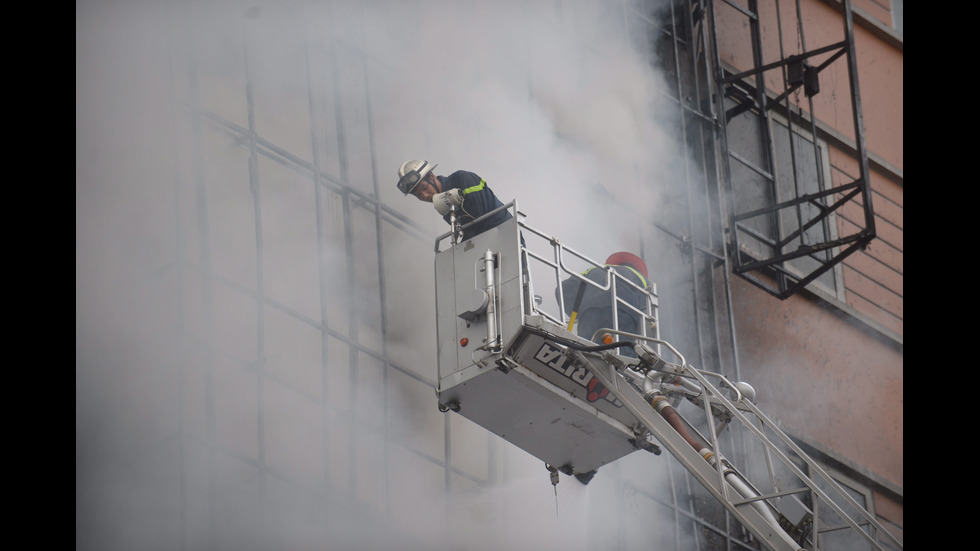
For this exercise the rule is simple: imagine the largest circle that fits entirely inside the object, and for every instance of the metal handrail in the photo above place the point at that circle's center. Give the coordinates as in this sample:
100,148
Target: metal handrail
477,219
559,252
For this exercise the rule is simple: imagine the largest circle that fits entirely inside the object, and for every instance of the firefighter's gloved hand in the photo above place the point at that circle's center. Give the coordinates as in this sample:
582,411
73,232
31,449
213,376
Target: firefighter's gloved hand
445,201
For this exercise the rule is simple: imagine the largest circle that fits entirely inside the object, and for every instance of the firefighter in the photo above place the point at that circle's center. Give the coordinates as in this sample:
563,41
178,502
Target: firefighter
592,307
470,192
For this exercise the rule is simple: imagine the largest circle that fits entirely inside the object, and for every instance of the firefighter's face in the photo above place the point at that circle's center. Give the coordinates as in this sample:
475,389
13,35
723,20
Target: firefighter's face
426,189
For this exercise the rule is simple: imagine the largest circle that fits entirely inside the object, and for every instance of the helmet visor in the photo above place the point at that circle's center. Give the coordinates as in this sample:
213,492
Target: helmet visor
407,183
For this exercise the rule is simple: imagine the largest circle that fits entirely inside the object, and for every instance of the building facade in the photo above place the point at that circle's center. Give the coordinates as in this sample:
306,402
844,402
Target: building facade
255,317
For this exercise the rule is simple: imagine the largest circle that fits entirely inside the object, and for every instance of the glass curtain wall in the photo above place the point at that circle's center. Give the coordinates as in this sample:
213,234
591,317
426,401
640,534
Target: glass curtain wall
299,298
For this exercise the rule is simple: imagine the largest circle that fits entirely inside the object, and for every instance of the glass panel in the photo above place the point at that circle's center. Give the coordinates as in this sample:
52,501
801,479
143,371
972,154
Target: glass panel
235,329
325,106
219,59
370,398
411,320
230,210
289,239
236,513
898,15
339,383
294,427
335,267
293,353
468,447
835,534
418,499
751,183
418,423
236,421
367,289
372,470
277,72
355,118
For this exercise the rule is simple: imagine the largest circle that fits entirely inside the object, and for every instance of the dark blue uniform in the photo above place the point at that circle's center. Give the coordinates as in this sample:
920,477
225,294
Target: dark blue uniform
478,200
595,308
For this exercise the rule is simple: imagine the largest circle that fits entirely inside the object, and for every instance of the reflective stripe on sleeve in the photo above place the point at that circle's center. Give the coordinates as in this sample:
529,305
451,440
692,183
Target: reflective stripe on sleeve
478,187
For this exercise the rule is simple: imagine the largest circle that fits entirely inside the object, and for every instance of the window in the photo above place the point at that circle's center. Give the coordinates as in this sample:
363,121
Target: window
833,535
782,219
898,15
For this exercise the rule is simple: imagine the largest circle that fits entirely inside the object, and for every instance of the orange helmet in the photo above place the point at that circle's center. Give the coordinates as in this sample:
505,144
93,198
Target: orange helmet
630,260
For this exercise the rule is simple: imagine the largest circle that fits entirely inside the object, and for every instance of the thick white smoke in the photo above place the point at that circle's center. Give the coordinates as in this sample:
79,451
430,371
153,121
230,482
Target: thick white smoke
546,100
558,111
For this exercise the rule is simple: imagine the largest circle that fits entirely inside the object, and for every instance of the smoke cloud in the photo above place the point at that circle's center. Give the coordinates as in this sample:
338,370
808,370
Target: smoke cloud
550,102
562,116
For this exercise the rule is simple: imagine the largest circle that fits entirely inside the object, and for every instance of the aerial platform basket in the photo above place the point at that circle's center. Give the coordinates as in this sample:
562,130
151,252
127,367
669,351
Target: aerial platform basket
509,362
499,365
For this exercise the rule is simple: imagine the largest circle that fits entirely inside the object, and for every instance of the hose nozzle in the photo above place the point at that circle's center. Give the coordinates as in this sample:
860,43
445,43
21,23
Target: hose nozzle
445,201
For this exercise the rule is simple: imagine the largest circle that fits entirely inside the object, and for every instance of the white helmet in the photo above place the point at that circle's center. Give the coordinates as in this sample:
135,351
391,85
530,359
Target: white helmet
411,173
